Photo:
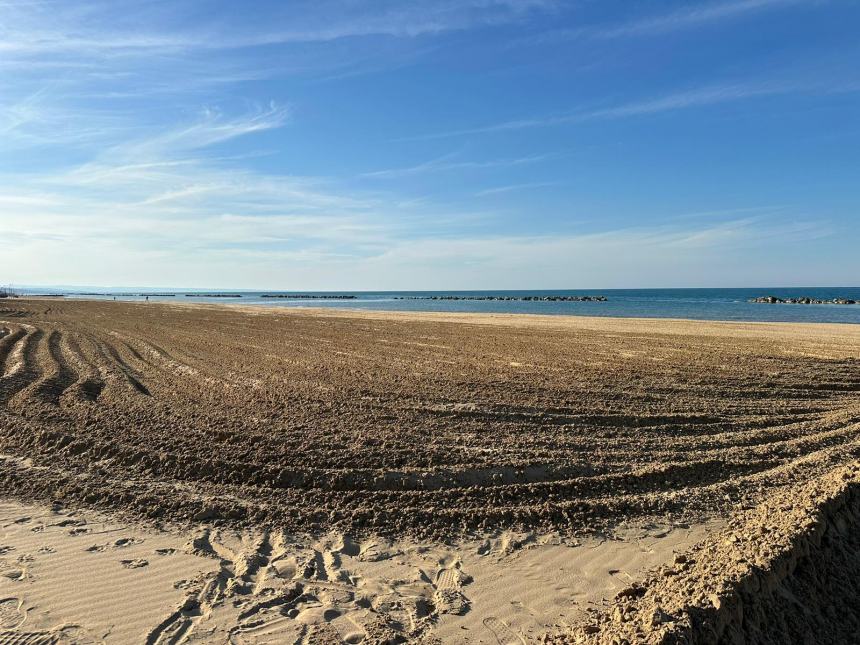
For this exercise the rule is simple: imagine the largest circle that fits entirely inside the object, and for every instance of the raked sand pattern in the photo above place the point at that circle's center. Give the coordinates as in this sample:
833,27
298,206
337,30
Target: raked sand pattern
300,448
420,425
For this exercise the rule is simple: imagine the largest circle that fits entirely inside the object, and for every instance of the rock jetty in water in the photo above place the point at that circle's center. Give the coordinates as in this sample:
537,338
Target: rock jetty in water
213,295
123,294
307,296
509,298
774,300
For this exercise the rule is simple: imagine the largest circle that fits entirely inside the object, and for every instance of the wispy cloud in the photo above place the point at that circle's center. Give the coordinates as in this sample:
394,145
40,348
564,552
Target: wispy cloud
45,118
213,128
155,202
396,19
704,254
90,29
690,17
730,213
681,19
498,190
446,163
58,59
357,246
697,97
162,190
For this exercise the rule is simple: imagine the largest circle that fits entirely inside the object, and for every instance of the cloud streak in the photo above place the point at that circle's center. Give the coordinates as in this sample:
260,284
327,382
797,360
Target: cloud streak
499,190
83,30
445,164
692,17
682,19
345,247
675,101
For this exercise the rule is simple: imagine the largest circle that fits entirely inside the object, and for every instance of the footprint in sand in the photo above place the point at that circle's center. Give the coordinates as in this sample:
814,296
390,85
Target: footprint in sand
134,564
31,638
504,635
201,545
11,571
279,629
449,598
10,614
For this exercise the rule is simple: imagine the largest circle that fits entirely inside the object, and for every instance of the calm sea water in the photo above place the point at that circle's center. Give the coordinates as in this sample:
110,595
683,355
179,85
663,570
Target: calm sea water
702,304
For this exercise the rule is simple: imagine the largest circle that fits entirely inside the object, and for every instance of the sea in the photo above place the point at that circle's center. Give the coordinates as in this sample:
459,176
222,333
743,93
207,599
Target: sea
698,304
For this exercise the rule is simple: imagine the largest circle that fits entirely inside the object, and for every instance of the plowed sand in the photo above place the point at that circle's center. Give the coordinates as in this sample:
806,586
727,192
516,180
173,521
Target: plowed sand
361,476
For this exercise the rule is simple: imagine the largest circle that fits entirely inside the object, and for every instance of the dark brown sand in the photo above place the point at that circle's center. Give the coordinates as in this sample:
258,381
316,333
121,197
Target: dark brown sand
409,424
423,426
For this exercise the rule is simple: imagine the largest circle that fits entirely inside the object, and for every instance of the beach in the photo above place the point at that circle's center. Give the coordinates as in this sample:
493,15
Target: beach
225,473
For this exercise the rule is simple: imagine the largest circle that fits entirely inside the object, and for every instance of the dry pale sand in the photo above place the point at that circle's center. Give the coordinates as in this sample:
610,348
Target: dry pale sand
330,476
78,577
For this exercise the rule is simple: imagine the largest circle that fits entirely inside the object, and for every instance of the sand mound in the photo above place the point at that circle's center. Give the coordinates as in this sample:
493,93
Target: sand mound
787,572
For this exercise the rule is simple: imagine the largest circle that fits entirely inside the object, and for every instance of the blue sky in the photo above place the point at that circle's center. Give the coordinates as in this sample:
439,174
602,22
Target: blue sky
483,144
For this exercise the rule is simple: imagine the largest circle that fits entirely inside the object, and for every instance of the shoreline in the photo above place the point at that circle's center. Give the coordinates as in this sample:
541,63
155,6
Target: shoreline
563,320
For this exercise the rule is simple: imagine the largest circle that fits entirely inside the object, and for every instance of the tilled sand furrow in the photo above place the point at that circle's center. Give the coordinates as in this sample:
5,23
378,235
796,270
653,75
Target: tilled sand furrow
22,365
89,384
58,373
415,513
314,421
665,479
119,379
173,367
8,343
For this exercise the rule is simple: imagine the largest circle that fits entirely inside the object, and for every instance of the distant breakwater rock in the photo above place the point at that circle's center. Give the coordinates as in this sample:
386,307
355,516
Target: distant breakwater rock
213,295
510,298
773,300
126,295
305,296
